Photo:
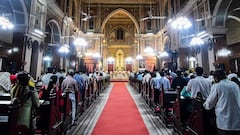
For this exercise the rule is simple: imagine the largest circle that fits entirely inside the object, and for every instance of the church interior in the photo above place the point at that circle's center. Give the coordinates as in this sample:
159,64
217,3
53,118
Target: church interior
118,37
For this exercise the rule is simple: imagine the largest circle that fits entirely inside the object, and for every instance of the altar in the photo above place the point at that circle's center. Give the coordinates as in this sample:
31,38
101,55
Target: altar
119,75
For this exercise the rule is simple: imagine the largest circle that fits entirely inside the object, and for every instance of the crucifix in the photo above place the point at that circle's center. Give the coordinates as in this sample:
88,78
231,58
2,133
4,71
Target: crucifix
119,60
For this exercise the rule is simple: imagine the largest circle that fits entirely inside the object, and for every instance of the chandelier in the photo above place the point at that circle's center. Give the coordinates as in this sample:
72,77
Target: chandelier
5,23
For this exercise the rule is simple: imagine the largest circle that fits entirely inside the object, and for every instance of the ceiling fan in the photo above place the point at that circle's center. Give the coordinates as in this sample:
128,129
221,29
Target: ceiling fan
150,15
87,16
205,18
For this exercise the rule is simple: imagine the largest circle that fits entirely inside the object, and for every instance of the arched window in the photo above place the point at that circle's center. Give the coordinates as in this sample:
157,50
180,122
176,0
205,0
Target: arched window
149,24
66,8
90,23
120,34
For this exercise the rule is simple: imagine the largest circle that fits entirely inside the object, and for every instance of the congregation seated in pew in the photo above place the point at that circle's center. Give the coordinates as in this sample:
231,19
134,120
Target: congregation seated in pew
191,115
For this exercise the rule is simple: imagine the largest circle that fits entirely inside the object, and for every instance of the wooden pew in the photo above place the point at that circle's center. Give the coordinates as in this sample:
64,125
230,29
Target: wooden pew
5,121
91,90
49,116
88,95
66,116
151,97
180,112
55,114
135,83
147,87
166,100
9,115
201,121
190,120
145,91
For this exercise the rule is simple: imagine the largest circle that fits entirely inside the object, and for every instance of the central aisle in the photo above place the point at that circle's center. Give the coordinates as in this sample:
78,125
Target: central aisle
120,115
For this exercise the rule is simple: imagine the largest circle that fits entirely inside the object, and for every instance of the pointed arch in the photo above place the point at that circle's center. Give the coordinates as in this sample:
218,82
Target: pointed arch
117,27
57,32
116,11
220,12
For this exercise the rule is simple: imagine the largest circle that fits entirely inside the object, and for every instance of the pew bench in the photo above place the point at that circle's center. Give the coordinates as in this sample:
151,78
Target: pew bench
166,101
181,112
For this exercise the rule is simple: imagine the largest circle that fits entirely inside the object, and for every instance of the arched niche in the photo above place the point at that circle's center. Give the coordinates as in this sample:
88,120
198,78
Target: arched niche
52,43
115,12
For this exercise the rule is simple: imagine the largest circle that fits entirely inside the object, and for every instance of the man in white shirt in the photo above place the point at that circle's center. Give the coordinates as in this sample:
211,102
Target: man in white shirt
146,77
145,81
199,84
225,97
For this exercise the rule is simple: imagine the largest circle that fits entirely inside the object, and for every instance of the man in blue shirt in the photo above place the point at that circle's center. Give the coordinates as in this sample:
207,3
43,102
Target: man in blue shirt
163,80
80,82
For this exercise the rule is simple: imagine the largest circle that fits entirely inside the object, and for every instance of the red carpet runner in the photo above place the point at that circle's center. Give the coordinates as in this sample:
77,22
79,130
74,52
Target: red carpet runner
120,115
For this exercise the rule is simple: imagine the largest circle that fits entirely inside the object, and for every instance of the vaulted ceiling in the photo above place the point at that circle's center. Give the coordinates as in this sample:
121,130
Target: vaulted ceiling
15,11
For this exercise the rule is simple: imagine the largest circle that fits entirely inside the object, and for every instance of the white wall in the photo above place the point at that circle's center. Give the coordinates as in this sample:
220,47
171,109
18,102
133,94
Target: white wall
28,55
211,58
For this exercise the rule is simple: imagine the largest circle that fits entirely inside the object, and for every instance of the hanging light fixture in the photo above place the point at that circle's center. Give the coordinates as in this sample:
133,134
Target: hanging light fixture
196,41
139,57
163,54
110,60
148,50
47,58
96,55
192,59
223,52
80,42
64,49
181,23
5,23
129,60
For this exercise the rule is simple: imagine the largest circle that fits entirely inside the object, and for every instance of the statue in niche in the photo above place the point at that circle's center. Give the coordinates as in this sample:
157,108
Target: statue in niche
91,45
142,64
112,36
38,17
127,37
